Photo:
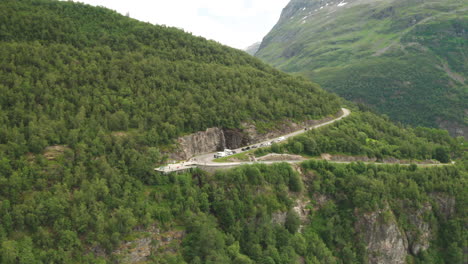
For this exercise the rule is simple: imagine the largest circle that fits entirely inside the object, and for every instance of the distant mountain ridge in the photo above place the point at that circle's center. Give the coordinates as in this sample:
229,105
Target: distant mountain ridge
407,59
252,49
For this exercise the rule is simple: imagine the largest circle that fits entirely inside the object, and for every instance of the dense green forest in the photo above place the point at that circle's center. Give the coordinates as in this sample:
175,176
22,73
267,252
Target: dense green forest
59,212
89,98
406,59
72,71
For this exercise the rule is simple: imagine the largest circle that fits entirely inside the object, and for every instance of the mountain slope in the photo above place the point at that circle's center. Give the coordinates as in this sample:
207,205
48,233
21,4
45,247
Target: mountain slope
407,59
90,97
68,61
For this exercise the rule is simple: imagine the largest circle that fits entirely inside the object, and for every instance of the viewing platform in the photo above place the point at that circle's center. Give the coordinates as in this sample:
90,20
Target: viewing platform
176,167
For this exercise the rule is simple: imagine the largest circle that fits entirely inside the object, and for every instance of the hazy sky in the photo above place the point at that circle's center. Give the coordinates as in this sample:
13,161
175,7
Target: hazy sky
237,23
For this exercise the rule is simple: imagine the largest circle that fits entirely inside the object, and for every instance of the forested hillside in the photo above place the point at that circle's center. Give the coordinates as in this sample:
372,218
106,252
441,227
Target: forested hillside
70,71
89,98
405,58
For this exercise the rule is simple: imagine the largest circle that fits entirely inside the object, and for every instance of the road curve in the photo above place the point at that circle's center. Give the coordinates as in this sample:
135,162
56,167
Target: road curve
207,159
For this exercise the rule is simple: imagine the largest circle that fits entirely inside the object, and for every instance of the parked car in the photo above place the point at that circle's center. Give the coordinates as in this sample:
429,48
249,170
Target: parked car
280,139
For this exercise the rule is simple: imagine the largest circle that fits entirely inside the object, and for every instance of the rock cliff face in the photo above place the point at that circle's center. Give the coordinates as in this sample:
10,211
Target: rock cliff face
445,204
209,140
420,236
155,242
385,243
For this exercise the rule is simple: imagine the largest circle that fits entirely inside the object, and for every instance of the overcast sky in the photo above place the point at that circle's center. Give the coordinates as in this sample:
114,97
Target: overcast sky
236,23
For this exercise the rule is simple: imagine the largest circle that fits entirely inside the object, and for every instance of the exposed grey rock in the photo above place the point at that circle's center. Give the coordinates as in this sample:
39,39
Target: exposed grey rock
134,251
445,203
279,218
419,239
454,128
209,140
156,242
235,138
385,243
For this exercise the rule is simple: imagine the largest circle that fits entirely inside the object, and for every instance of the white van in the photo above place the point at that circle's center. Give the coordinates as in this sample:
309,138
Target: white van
220,155
228,152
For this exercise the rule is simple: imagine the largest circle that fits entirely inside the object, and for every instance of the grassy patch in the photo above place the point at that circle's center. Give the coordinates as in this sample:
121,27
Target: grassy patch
240,156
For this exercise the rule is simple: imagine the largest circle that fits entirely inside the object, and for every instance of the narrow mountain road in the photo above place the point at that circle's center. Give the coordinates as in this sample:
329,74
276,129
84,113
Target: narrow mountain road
235,164
207,159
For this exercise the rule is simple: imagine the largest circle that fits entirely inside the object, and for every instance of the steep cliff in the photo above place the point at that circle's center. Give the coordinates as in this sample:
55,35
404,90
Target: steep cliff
420,234
385,242
385,239
209,140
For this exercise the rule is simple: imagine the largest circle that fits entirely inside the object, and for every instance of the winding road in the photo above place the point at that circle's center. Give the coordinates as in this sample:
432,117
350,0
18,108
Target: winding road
206,160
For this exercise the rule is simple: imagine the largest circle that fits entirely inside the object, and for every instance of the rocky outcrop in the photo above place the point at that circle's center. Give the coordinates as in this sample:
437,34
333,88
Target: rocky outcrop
320,201
236,138
455,129
301,208
279,218
209,140
384,241
419,236
155,241
445,204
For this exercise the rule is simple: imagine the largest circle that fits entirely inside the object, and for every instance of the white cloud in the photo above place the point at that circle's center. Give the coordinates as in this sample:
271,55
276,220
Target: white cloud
235,23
